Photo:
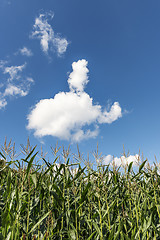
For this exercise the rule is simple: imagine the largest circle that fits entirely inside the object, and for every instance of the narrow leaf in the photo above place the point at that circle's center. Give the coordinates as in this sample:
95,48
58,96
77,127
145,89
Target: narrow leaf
41,219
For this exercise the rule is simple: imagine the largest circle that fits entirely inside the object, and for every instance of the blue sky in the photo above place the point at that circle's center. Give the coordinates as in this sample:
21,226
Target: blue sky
112,96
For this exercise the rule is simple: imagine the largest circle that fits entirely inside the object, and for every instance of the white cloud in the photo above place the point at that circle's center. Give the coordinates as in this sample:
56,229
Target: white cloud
15,84
107,159
3,63
3,103
26,52
122,161
13,71
78,78
43,30
61,44
67,114
29,79
12,90
111,116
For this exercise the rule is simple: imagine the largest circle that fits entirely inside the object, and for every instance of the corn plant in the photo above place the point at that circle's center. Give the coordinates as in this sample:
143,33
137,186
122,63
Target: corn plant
69,198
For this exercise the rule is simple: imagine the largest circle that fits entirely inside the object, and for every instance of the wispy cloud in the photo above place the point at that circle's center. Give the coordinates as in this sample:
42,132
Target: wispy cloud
25,52
3,63
69,114
15,84
14,71
48,39
3,103
12,90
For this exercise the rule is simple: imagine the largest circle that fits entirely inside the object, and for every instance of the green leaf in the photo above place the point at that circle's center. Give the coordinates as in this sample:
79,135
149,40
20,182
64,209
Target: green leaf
30,165
91,236
129,167
84,193
30,154
58,190
126,237
142,165
58,199
149,222
2,155
47,163
34,178
79,173
49,167
72,234
8,236
97,228
39,222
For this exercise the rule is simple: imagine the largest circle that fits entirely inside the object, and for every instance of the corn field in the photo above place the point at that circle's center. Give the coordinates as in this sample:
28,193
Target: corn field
74,200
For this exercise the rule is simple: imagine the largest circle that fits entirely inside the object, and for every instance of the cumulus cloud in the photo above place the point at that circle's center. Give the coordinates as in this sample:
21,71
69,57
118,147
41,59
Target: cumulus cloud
107,159
48,39
25,52
15,83
78,77
122,161
71,115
